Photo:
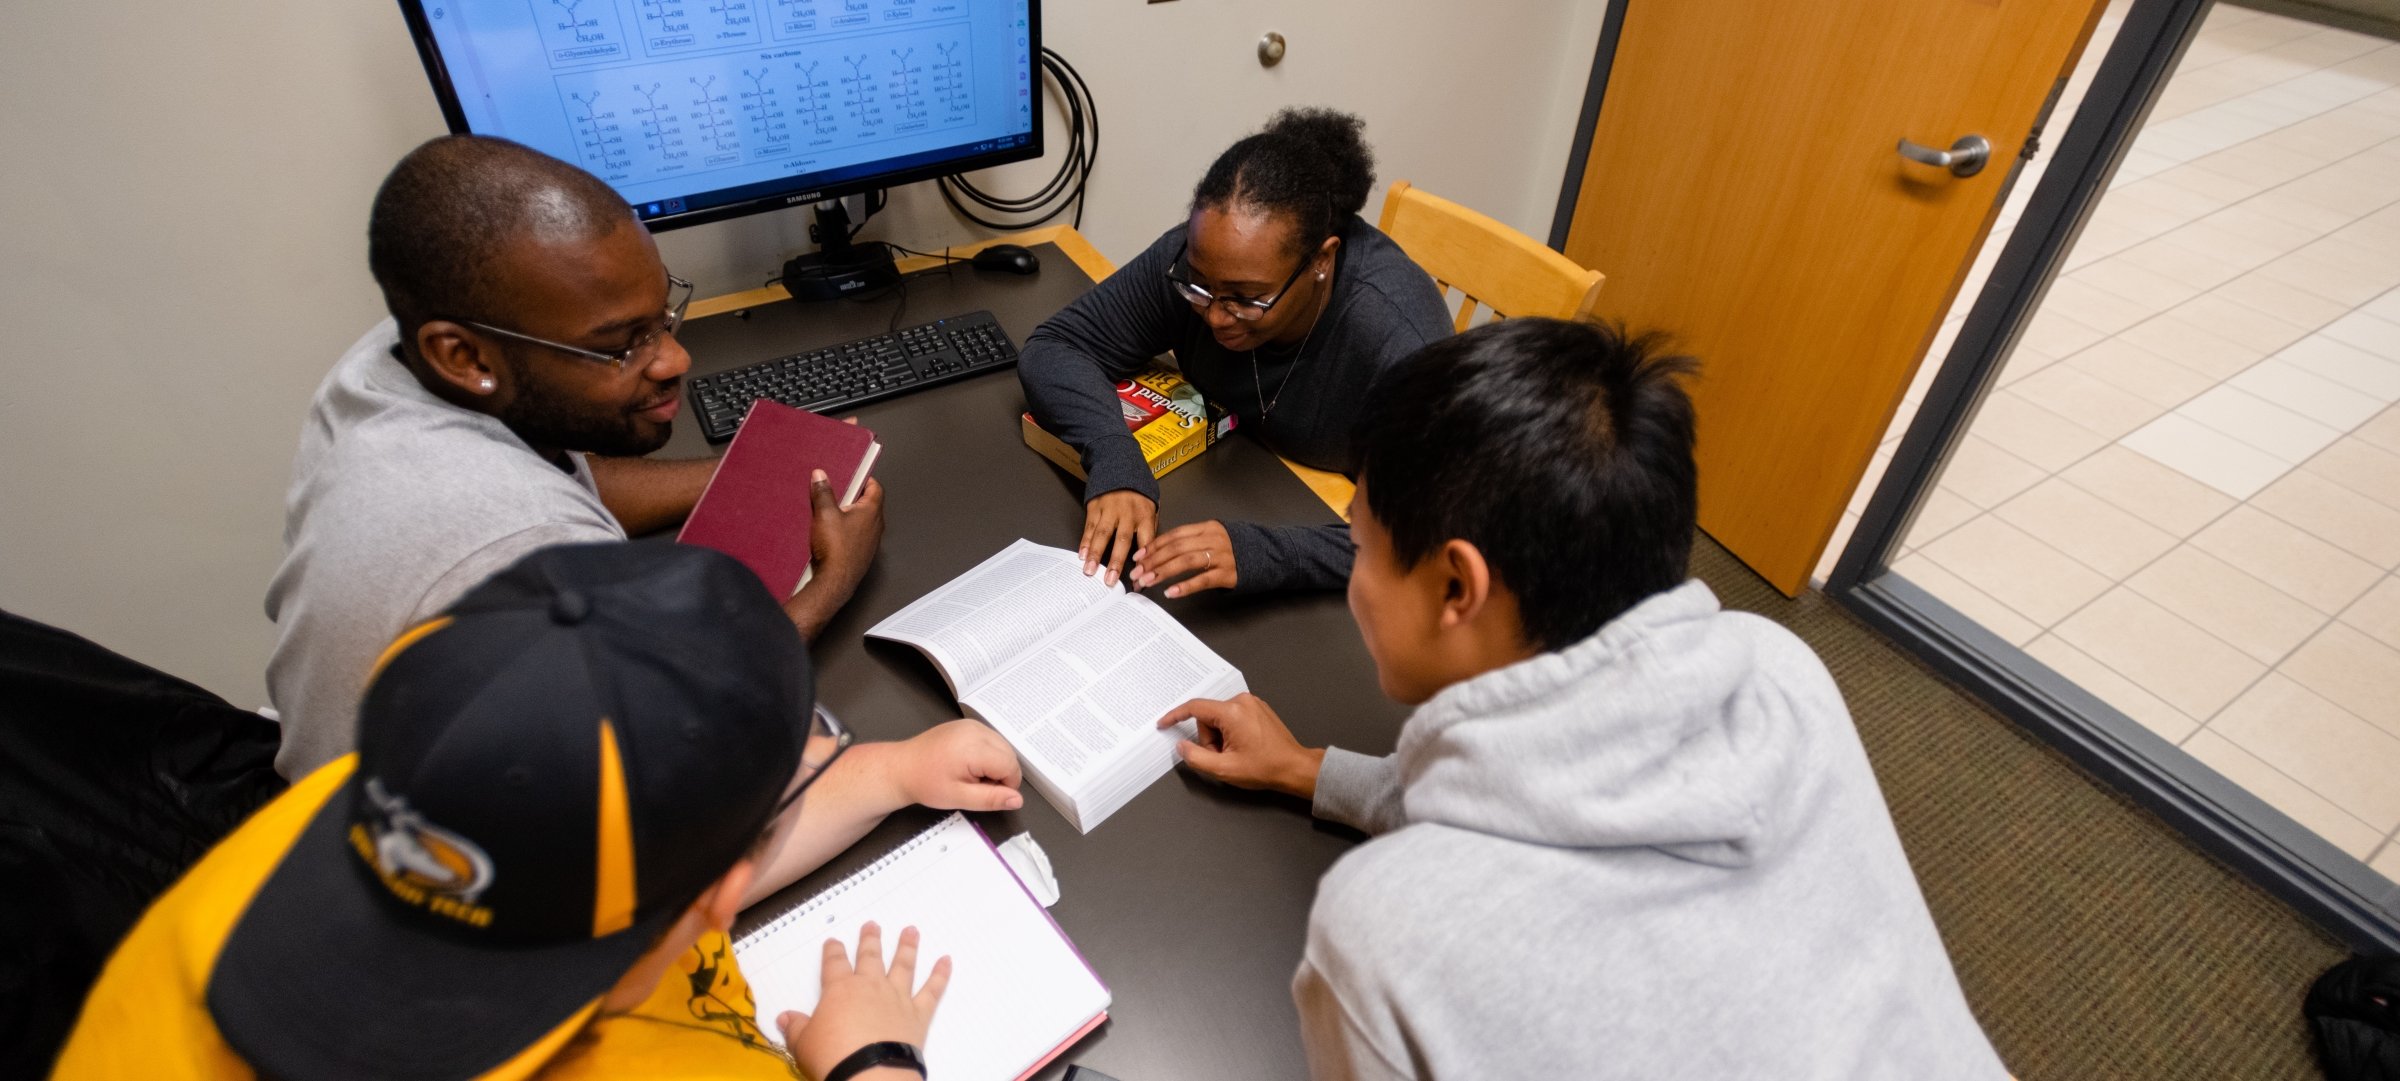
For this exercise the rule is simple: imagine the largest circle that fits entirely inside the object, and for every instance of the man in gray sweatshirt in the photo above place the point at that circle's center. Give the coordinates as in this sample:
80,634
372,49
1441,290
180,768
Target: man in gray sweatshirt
1626,833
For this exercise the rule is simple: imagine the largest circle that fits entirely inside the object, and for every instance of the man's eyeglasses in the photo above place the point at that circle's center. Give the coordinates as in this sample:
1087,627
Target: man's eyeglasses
1246,309
827,738
640,353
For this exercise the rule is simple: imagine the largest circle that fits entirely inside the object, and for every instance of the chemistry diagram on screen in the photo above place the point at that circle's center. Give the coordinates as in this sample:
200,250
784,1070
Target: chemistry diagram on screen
653,95
576,32
645,121
697,85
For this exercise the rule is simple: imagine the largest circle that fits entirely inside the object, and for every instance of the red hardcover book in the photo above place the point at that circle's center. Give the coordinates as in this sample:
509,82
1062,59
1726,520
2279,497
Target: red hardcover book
755,507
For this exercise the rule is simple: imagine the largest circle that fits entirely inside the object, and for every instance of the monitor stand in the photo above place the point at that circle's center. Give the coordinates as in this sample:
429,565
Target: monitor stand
838,268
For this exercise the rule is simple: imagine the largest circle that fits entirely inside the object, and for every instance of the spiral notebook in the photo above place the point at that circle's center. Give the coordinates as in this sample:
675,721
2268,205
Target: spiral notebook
1019,992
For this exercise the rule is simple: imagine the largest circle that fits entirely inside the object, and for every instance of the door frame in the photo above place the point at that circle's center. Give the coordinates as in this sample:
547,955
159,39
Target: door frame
2288,860
1612,25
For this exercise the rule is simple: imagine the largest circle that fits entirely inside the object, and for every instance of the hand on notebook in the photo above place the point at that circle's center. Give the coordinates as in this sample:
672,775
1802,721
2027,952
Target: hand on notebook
1243,743
1114,525
1202,550
961,765
841,543
865,1002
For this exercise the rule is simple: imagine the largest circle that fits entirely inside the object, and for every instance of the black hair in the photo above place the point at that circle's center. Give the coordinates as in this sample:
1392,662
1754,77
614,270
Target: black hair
1310,165
1561,450
448,210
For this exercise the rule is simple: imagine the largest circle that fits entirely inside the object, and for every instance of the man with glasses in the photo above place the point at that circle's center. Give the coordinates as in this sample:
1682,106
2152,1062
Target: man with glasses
529,361
566,786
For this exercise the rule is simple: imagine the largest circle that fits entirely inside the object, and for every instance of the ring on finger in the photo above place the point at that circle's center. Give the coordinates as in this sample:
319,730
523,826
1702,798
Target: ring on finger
1209,558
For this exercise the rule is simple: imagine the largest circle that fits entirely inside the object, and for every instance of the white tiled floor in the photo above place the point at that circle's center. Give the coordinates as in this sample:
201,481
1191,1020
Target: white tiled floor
2184,493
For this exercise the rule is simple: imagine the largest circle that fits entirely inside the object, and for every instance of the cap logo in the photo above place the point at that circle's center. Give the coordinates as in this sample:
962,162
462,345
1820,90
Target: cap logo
422,864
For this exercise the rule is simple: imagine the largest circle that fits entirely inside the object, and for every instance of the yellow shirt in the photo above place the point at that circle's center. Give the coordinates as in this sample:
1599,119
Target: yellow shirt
148,1015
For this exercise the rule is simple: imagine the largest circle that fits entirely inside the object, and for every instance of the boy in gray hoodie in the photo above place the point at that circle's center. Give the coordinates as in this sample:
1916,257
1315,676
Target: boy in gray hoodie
1626,833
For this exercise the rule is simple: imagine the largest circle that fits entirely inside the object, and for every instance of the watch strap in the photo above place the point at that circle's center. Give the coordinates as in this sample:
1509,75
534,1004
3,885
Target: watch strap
885,1053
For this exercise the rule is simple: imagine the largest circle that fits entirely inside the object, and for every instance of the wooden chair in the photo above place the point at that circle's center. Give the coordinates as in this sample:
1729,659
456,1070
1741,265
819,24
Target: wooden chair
1489,264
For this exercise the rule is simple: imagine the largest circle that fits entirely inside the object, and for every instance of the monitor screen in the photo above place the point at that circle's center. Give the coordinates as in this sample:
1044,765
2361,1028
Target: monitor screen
698,110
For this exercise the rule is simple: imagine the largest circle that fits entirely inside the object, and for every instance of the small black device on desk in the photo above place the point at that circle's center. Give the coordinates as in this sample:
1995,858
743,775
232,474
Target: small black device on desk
1011,258
855,372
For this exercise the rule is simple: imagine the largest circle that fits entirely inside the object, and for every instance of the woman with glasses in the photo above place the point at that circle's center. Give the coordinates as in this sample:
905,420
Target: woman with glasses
1281,304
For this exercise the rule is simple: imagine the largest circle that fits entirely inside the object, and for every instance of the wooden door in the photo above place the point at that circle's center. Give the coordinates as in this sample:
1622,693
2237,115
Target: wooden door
1745,193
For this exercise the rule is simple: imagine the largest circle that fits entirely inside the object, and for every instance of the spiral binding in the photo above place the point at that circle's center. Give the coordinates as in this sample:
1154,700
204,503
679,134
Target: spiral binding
810,906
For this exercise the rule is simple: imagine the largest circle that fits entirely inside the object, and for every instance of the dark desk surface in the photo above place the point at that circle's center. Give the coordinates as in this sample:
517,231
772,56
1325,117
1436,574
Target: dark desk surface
1192,901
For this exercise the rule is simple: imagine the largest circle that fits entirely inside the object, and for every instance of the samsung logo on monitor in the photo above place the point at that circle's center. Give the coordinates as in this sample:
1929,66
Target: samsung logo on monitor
803,197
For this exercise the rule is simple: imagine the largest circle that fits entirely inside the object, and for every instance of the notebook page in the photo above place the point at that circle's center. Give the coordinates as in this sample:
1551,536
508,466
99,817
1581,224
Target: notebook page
1017,988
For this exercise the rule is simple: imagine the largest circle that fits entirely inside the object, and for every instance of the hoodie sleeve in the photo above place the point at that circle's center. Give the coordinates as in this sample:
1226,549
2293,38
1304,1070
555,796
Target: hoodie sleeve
1357,790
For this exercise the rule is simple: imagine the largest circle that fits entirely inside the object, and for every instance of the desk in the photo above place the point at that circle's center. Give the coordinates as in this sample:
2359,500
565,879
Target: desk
1333,488
1192,901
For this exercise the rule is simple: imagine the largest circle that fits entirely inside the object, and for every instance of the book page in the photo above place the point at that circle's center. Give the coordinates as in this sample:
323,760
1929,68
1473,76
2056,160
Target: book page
1093,693
988,616
1018,988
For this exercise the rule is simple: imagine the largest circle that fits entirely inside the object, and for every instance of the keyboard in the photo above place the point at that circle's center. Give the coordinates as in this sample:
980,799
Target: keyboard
854,373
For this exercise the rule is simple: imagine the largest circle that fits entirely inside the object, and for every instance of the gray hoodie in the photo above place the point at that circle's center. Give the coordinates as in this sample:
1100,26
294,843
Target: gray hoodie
1659,852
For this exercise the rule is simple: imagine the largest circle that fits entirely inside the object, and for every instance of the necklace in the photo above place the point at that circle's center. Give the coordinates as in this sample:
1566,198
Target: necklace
1266,405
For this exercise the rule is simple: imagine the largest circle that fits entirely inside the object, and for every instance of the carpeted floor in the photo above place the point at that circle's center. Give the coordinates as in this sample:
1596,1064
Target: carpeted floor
2092,940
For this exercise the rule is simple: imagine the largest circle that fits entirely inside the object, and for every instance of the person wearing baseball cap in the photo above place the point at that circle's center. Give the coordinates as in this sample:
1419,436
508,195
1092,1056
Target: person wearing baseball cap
565,789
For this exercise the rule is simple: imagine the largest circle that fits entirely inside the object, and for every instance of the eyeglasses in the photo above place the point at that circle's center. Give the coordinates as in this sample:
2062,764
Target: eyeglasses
639,354
827,738
1246,309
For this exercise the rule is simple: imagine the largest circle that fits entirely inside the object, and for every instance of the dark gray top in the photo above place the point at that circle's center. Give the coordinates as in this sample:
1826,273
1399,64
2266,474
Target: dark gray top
1384,307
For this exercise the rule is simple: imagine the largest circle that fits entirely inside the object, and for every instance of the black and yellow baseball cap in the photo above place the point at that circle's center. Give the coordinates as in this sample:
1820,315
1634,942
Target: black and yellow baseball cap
548,776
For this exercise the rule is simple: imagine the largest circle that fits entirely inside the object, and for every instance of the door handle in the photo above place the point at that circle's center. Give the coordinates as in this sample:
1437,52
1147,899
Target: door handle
1964,158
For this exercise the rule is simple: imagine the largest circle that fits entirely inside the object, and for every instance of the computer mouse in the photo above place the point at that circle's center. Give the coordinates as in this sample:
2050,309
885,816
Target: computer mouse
1013,258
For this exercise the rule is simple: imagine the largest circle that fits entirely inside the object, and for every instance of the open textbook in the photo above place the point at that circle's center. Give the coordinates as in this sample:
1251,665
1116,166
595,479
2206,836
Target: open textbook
1019,992
1075,673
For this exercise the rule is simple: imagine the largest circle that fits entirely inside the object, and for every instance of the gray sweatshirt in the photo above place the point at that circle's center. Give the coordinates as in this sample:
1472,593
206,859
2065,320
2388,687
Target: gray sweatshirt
400,503
1384,307
1659,852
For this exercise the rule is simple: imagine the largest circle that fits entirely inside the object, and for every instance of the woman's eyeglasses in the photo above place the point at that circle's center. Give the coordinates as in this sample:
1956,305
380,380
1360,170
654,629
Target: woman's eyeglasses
1246,309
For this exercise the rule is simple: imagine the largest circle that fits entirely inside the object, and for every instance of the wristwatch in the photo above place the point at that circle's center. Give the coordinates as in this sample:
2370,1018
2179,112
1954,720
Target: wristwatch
886,1053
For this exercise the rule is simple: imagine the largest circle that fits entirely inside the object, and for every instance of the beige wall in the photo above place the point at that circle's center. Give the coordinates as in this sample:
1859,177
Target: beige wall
185,241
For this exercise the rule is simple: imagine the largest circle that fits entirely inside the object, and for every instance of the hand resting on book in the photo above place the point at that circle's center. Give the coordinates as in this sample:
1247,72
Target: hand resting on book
1241,742
1114,525
959,765
842,541
865,1002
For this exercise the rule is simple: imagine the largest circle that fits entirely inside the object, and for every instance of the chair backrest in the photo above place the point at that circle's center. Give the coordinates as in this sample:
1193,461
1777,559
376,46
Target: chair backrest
1491,264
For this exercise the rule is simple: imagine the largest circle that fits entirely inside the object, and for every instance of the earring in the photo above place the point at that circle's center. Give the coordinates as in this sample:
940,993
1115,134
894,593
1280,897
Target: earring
485,386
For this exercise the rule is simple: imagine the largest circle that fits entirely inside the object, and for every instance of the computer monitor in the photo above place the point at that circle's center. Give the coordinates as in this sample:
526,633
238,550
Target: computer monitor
701,110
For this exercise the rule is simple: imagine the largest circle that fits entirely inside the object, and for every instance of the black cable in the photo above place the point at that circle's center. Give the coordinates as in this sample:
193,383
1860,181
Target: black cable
949,262
1070,185
943,255
1069,167
875,202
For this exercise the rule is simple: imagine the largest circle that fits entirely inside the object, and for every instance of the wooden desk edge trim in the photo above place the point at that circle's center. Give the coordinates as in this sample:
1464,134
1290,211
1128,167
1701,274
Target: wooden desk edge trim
1333,488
